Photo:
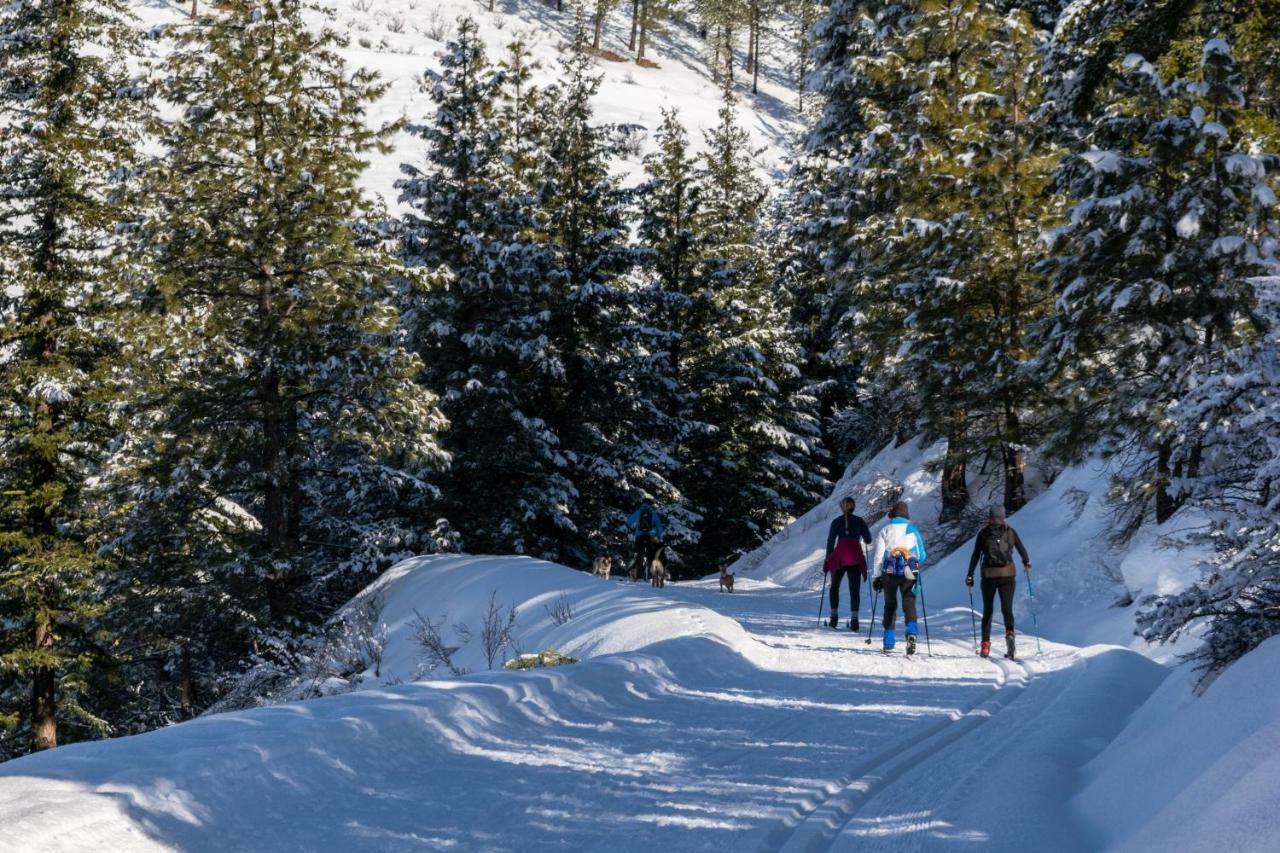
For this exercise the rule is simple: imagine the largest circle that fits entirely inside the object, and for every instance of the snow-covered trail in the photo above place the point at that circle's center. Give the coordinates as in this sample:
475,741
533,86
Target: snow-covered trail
799,739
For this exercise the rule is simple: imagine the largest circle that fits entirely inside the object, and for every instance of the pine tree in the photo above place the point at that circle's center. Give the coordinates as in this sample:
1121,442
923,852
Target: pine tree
867,208
675,308
1171,213
1237,410
485,336
69,126
1093,39
971,214
593,408
754,471
288,448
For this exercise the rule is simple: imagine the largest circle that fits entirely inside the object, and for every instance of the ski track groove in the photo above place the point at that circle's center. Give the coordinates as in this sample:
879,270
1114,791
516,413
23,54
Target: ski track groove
817,827
918,807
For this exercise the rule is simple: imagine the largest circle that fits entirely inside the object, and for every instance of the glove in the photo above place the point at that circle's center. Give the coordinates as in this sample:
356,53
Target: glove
876,585
968,580
1026,569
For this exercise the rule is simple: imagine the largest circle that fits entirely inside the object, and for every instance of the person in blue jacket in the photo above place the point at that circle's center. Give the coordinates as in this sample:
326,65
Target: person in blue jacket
897,556
647,530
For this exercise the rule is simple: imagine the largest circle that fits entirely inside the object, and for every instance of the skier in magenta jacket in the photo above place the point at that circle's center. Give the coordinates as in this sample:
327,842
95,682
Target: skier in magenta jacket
845,558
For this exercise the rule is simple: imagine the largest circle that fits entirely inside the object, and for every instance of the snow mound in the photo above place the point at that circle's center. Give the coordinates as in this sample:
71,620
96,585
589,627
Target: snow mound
1194,773
608,617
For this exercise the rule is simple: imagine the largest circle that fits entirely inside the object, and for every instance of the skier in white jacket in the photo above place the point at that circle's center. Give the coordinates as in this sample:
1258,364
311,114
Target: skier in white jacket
896,557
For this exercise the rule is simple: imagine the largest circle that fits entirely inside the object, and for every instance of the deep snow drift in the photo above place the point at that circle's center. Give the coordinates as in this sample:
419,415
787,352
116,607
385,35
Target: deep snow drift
699,720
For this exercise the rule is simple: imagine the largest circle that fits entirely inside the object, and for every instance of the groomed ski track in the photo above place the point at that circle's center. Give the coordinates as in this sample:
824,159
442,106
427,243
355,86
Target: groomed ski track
783,737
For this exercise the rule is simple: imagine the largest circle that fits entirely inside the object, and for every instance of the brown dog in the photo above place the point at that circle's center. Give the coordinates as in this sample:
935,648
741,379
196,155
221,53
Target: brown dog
658,571
726,578
601,567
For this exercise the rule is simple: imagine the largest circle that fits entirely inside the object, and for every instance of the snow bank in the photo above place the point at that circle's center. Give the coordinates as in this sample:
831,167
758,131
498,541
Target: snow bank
1194,773
609,617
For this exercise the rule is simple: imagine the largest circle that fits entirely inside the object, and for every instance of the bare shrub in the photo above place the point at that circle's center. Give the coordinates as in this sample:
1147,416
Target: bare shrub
436,25
364,634
436,652
497,632
560,610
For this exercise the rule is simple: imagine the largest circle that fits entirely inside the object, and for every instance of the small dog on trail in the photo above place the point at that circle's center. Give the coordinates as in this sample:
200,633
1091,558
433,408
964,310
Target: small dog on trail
658,571
601,567
726,578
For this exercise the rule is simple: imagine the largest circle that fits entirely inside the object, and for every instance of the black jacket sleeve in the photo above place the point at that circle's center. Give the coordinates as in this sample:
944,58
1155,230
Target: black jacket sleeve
1022,549
831,536
864,532
977,551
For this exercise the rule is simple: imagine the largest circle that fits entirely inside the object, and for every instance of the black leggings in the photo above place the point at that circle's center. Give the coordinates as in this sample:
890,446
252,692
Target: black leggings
646,550
990,586
854,573
892,585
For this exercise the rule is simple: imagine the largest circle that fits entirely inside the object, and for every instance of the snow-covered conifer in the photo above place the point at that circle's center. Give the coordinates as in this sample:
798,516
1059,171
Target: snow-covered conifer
69,129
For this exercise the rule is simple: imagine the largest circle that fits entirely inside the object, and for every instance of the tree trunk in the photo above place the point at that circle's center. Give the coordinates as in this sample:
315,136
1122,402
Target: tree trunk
955,482
1166,506
755,62
728,51
274,472
635,24
599,25
44,689
186,684
1015,464
193,9
644,35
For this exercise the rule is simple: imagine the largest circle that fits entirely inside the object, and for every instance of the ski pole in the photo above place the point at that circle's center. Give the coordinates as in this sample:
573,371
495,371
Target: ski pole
871,626
867,578
973,619
1031,590
924,608
822,597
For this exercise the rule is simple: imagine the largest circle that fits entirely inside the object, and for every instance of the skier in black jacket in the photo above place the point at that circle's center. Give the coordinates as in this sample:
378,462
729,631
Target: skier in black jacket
995,546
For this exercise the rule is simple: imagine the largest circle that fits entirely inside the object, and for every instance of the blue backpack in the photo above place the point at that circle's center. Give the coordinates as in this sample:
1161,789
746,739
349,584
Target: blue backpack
898,561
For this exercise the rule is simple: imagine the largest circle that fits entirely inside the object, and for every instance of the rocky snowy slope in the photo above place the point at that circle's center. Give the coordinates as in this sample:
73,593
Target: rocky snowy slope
400,39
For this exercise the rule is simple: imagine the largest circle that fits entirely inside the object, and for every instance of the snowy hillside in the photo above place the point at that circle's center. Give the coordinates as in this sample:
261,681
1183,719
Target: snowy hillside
400,39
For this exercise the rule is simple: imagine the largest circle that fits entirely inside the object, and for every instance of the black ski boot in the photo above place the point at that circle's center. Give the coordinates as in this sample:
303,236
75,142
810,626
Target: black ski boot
911,644
1011,652
853,625
834,621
